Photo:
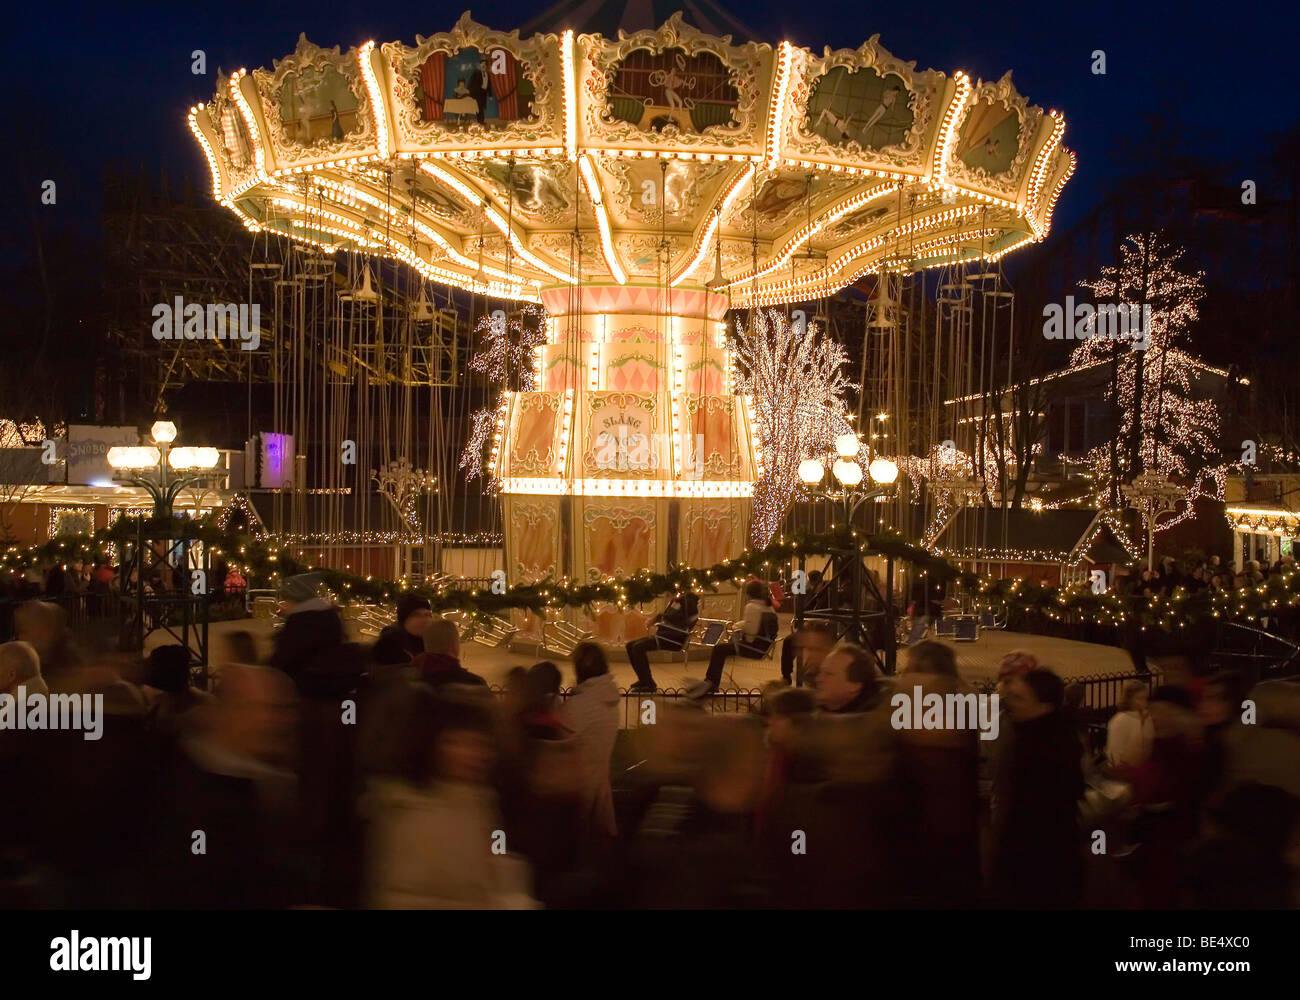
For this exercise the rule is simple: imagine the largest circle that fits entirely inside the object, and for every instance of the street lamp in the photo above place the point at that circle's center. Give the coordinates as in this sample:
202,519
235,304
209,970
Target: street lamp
847,492
136,466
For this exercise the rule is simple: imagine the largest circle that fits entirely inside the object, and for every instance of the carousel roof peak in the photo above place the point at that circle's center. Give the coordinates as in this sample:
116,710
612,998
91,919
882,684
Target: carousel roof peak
612,17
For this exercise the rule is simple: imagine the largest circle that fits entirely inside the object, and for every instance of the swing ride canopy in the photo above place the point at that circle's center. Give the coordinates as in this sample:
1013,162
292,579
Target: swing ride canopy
527,167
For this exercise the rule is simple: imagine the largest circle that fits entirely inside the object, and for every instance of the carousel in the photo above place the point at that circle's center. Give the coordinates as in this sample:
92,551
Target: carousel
635,188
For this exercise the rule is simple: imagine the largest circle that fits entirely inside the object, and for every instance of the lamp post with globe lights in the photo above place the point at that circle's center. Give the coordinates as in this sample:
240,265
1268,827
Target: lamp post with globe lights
846,491
163,470
136,466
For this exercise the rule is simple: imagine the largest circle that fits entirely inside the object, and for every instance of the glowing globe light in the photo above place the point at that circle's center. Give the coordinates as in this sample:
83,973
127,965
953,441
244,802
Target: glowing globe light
847,445
883,471
193,458
811,471
848,473
163,431
121,457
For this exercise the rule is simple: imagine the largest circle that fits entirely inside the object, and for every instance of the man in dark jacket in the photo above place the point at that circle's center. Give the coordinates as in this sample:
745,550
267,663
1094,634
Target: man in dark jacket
439,664
1037,852
399,644
312,647
313,650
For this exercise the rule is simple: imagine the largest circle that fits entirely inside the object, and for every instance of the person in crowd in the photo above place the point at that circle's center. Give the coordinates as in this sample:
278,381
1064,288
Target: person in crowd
807,648
1242,861
1037,858
693,849
1197,581
435,839
927,605
20,666
1267,751
240,647
847,682
230,791
312,647
938,776
591,713
439,664
401,643
103,576
541,787
753,639
539,715
313,650
669,631
1220,709
1169,575
44,626
175,705
1168,790
1130,731
819,592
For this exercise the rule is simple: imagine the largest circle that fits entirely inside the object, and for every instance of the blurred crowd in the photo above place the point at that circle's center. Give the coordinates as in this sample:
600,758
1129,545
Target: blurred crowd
324,773
1207,574
63,581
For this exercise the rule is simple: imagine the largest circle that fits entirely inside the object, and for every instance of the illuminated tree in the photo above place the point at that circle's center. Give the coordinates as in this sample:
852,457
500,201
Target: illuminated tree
1163,426
505,356
793,372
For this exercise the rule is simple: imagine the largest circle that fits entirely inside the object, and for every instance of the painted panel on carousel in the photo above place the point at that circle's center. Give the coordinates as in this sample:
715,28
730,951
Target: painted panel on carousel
863,107
486,86
990,138
671,89
709,447
541,190
317,105
710,534
535,448
619,539
534,535
622,436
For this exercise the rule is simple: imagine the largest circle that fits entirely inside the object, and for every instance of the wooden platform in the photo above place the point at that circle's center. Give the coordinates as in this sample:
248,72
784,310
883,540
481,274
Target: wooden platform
975,660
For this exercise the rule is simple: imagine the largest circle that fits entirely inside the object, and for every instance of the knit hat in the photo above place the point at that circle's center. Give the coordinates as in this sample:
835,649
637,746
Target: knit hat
299,588
1017,663
408,604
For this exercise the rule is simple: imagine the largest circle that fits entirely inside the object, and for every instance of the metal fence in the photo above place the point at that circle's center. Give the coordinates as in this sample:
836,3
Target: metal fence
634,706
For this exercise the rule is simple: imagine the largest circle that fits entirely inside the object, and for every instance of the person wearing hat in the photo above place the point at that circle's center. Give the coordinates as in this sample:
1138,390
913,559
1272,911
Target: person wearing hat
312,647
399,644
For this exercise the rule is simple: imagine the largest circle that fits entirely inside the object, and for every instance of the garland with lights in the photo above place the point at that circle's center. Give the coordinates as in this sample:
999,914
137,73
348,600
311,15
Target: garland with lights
263,562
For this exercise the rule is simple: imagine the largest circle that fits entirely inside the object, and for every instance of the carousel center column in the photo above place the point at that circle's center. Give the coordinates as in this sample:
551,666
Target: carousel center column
634,452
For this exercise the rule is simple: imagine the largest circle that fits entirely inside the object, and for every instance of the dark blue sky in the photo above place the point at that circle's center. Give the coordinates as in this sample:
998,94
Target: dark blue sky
112,82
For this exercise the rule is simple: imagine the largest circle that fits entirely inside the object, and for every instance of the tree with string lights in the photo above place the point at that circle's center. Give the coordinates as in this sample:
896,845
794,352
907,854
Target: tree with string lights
1165,429
794,373
505,356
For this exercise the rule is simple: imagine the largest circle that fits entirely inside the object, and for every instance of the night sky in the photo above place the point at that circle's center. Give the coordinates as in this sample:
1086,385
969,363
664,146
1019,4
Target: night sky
102,83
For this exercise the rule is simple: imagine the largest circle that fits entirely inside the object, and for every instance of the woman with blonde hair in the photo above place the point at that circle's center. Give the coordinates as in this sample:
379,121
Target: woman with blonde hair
1130,732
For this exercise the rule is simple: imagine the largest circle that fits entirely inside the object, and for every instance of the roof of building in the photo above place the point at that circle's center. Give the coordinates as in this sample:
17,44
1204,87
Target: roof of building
1048,536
